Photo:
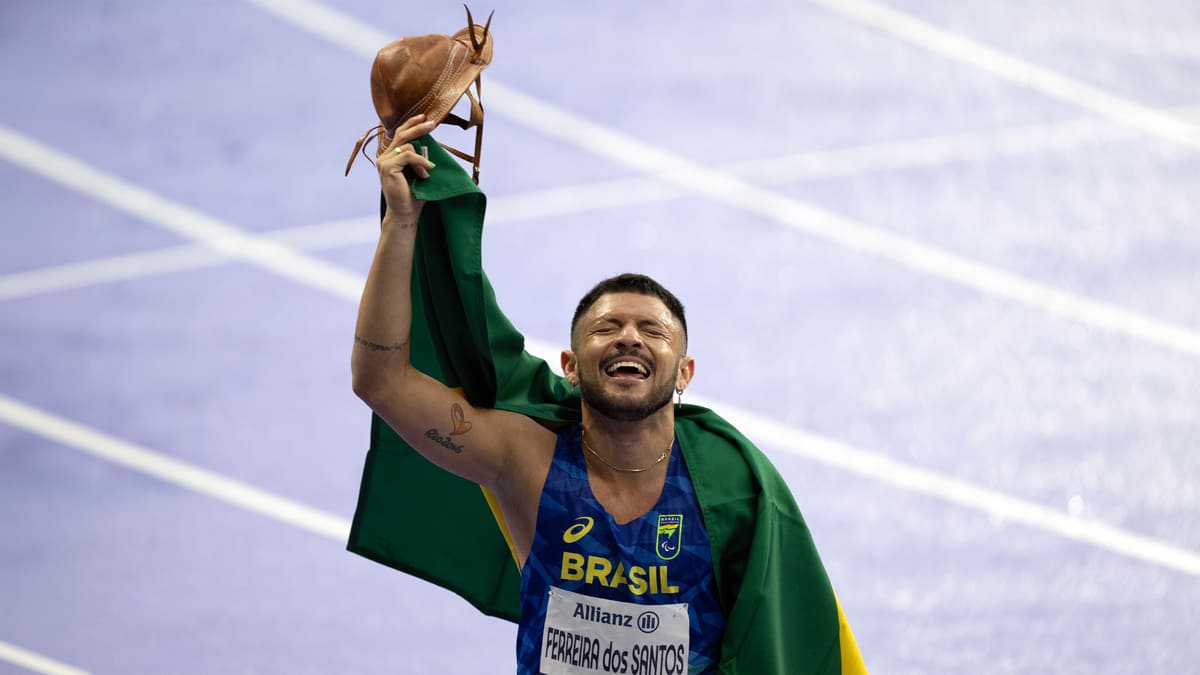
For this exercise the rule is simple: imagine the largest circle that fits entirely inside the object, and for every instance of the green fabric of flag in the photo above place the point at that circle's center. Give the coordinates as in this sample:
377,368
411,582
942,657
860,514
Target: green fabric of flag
782,615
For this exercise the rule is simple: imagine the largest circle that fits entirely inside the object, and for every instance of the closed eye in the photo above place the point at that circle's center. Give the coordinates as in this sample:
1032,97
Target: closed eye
655,330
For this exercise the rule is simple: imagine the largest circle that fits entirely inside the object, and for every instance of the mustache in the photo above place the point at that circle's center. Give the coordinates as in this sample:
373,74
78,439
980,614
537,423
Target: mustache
626,353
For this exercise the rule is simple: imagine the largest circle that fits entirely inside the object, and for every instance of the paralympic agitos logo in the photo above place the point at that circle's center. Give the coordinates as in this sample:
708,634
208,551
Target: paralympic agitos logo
669,535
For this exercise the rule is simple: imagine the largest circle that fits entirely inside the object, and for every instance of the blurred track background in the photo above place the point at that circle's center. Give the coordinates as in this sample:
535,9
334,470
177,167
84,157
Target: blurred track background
941,261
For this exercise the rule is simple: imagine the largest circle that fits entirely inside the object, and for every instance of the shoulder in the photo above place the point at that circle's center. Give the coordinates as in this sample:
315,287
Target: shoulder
734,481
715,447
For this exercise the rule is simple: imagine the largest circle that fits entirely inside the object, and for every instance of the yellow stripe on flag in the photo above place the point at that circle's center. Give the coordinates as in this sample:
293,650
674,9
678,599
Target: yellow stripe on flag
499,516
852,661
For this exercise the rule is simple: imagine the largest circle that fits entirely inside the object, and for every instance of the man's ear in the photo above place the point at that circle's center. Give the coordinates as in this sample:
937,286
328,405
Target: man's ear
570,367
687,370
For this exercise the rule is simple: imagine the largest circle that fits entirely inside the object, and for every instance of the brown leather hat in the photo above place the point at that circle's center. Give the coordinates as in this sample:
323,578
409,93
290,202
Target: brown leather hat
428,74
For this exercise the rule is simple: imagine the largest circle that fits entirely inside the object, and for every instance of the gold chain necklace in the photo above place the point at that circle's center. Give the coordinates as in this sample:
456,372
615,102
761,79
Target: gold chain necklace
586,446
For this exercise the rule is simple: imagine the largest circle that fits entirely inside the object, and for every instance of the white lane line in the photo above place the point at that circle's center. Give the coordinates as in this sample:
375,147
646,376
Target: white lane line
723,186
35,662
599,195
940,150
107,447
1018,71
336,27
122,195
960,493
562,201
108,270
932,151
317,237
596,196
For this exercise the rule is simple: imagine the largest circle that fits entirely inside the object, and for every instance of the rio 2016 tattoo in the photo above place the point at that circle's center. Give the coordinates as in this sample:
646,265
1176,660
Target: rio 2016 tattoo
376,347
459,426
444,441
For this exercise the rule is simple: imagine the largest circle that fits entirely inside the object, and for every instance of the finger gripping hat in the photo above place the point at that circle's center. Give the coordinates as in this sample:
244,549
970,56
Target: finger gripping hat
428,75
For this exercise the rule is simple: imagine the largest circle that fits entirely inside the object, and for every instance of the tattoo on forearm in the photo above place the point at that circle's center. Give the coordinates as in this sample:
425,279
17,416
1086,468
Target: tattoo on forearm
376,347
459,425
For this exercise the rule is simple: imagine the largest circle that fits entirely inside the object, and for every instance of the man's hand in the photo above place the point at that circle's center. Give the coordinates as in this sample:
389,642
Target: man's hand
396,164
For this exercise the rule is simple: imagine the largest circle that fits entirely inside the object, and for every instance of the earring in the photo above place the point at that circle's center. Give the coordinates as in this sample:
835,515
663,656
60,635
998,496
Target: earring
679,401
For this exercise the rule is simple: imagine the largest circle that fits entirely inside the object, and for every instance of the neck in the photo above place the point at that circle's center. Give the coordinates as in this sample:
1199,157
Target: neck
629,445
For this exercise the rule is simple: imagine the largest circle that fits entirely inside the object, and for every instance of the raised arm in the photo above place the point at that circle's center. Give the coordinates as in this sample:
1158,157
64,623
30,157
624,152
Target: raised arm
500,450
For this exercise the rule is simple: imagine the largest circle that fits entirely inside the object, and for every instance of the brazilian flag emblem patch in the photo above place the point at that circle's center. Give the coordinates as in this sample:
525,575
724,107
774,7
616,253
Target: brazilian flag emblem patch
667,541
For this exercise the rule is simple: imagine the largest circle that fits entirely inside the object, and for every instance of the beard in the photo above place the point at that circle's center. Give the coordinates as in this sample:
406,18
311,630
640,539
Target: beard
620,410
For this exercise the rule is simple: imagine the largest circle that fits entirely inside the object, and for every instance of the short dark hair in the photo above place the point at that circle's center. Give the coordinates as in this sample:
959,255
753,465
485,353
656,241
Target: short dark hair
631,283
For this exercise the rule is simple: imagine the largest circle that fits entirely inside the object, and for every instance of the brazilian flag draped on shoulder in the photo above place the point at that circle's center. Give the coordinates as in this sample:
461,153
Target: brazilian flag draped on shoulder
782,615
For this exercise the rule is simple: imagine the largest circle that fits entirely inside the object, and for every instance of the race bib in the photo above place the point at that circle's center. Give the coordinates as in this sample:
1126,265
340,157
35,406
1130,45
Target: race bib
591,635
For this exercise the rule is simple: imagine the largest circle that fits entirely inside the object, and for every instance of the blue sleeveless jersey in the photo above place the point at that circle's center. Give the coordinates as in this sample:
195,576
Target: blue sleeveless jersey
661,558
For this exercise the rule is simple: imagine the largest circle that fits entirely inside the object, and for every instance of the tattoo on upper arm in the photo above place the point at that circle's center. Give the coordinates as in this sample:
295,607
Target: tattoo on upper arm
444,441
459,426
376,347
459,420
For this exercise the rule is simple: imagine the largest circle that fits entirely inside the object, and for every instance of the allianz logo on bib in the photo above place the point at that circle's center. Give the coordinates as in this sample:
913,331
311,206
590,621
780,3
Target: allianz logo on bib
596,615
647,621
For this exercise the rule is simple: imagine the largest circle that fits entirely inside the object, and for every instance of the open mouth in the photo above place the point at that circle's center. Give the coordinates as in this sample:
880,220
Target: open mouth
627,368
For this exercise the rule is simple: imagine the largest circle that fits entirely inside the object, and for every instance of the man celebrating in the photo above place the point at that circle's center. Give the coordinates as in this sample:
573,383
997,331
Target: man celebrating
647,536
620,567
630,493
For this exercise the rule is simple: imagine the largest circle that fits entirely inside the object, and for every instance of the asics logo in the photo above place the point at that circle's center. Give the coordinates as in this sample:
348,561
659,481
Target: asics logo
578,531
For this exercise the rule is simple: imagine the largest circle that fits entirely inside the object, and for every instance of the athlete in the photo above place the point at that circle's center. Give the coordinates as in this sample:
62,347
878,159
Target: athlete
652,539
616,570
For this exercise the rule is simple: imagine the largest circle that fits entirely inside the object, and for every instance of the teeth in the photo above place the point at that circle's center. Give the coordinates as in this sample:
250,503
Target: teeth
612,368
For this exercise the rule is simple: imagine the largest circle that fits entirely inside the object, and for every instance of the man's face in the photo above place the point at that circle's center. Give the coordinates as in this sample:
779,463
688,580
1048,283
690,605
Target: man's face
628,351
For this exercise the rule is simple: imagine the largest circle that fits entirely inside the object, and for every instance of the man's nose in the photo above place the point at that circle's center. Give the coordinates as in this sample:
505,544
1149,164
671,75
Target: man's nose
629,337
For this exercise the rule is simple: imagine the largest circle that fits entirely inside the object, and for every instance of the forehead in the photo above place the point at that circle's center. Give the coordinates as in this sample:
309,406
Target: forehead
630,306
